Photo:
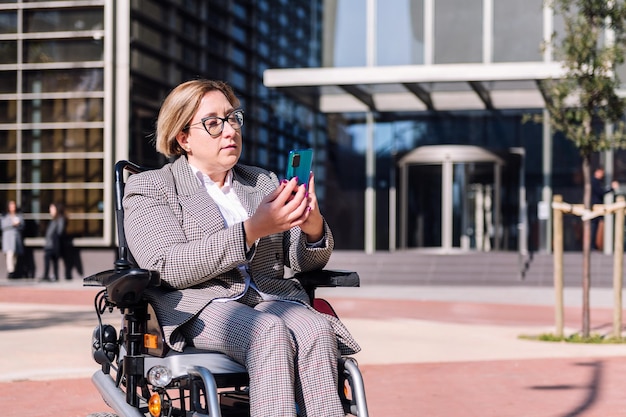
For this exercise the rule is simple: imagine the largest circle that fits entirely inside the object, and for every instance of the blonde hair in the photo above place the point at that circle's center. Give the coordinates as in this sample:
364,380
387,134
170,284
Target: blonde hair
178,109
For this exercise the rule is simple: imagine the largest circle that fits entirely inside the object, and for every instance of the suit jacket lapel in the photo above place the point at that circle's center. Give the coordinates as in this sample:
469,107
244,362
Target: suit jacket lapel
249,196
193,198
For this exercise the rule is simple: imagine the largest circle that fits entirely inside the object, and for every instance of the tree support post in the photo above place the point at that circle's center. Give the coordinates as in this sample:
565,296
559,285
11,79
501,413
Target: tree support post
618,268
557,235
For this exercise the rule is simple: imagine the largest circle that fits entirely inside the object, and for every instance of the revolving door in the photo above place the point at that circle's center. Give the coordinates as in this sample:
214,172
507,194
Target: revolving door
450,198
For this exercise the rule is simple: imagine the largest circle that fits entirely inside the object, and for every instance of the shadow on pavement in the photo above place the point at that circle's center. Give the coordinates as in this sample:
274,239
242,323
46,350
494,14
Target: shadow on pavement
592,389
39,319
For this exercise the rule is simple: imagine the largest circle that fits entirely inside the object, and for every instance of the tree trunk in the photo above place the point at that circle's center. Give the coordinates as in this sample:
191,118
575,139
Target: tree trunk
586,245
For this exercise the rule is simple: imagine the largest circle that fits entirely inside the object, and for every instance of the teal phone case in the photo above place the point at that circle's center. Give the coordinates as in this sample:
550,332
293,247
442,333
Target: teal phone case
299,165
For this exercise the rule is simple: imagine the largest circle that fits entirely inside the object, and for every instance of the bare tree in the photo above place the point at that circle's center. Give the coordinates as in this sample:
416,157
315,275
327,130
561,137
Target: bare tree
584,102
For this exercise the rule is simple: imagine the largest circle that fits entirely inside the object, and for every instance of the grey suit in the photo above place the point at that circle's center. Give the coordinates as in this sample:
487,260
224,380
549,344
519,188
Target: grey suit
174,227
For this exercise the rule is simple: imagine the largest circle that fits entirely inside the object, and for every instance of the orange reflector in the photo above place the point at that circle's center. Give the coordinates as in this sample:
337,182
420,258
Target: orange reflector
347,391
150,341
154,405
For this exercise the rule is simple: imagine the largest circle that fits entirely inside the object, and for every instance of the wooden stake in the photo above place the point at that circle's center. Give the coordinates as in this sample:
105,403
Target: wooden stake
618,268
557,222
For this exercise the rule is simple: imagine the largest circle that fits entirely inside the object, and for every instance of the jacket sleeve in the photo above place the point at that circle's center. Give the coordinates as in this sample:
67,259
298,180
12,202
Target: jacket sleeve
302,256
158,237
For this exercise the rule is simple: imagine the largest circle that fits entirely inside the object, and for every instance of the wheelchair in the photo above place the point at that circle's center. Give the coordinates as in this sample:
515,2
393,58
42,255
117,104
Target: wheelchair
140,376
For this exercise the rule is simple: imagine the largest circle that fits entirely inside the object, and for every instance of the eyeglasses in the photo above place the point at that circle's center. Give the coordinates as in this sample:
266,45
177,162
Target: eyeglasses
213,126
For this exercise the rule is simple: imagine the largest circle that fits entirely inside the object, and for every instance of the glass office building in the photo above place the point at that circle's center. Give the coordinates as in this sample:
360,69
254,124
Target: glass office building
426,100
414,109
81,82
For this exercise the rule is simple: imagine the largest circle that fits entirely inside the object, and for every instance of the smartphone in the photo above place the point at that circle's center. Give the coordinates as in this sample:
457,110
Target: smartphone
299,165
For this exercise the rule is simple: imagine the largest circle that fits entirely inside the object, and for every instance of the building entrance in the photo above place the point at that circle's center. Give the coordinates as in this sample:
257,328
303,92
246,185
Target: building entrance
452,198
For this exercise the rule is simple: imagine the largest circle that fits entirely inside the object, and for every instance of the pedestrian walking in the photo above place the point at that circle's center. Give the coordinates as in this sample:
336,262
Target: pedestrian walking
54,242
12,241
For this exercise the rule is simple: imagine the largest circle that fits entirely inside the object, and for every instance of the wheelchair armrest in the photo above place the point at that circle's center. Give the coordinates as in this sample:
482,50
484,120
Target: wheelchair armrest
125,287
327,278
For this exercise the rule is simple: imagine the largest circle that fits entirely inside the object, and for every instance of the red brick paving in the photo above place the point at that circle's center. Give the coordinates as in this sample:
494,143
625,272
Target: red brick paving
62,398
554,387
523,388
40,295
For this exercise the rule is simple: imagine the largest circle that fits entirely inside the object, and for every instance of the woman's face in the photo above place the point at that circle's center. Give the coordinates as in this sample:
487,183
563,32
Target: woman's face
12,207
53,210
212,155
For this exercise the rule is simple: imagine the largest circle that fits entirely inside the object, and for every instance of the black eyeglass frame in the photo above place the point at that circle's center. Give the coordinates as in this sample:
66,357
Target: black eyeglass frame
233,113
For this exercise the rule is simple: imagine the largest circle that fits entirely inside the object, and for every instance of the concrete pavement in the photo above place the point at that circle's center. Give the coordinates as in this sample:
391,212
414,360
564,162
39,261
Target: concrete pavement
436,351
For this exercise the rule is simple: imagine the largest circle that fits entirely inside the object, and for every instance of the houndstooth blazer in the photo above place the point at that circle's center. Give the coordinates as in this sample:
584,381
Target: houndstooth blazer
173,226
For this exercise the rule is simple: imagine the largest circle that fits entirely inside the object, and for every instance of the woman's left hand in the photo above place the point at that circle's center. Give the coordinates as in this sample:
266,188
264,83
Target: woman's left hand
312,220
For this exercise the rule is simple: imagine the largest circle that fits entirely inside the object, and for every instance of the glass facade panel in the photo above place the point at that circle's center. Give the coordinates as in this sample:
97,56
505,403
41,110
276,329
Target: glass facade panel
8,141
8,21
149,7
345,44
8,52
458,31
63,110
63,140
8,82
472,207
79,203
8,171
8,111
62,170
85,227
147,64
424,219
65,19
39,179
519,39
63,50
400,32
148,35
63,80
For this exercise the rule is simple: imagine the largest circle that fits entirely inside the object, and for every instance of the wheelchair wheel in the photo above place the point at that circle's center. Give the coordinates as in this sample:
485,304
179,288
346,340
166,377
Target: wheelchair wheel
102,414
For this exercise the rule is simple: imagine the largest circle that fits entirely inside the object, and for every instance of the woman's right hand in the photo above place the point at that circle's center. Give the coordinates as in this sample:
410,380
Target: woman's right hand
279,211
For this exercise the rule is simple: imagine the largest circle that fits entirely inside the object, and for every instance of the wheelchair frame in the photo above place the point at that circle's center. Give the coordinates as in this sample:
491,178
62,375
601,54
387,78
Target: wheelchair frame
201,383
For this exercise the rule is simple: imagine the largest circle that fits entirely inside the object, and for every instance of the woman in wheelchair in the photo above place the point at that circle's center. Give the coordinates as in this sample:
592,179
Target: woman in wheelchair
220,233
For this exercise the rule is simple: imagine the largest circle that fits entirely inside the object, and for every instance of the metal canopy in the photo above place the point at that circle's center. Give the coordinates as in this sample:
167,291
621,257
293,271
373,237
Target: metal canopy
454,153
441,87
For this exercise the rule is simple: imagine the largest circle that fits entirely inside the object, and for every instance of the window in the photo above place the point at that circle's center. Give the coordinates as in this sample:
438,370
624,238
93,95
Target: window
8,22
519,39
346,45
8,52
52,123
63,110
63,80
62,140
458,31
62,50
62,20
400,32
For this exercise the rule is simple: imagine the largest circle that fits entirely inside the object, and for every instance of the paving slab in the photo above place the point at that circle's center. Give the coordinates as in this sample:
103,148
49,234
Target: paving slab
451,356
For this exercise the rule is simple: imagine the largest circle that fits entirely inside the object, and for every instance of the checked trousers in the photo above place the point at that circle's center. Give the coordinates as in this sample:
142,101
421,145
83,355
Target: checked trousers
289,351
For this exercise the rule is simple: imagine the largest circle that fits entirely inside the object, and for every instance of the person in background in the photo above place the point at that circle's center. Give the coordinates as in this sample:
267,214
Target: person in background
220,233
26,263
54,239
12,240
598,191
71,256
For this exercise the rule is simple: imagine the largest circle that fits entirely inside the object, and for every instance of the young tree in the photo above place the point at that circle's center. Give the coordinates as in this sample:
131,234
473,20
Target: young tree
584,102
